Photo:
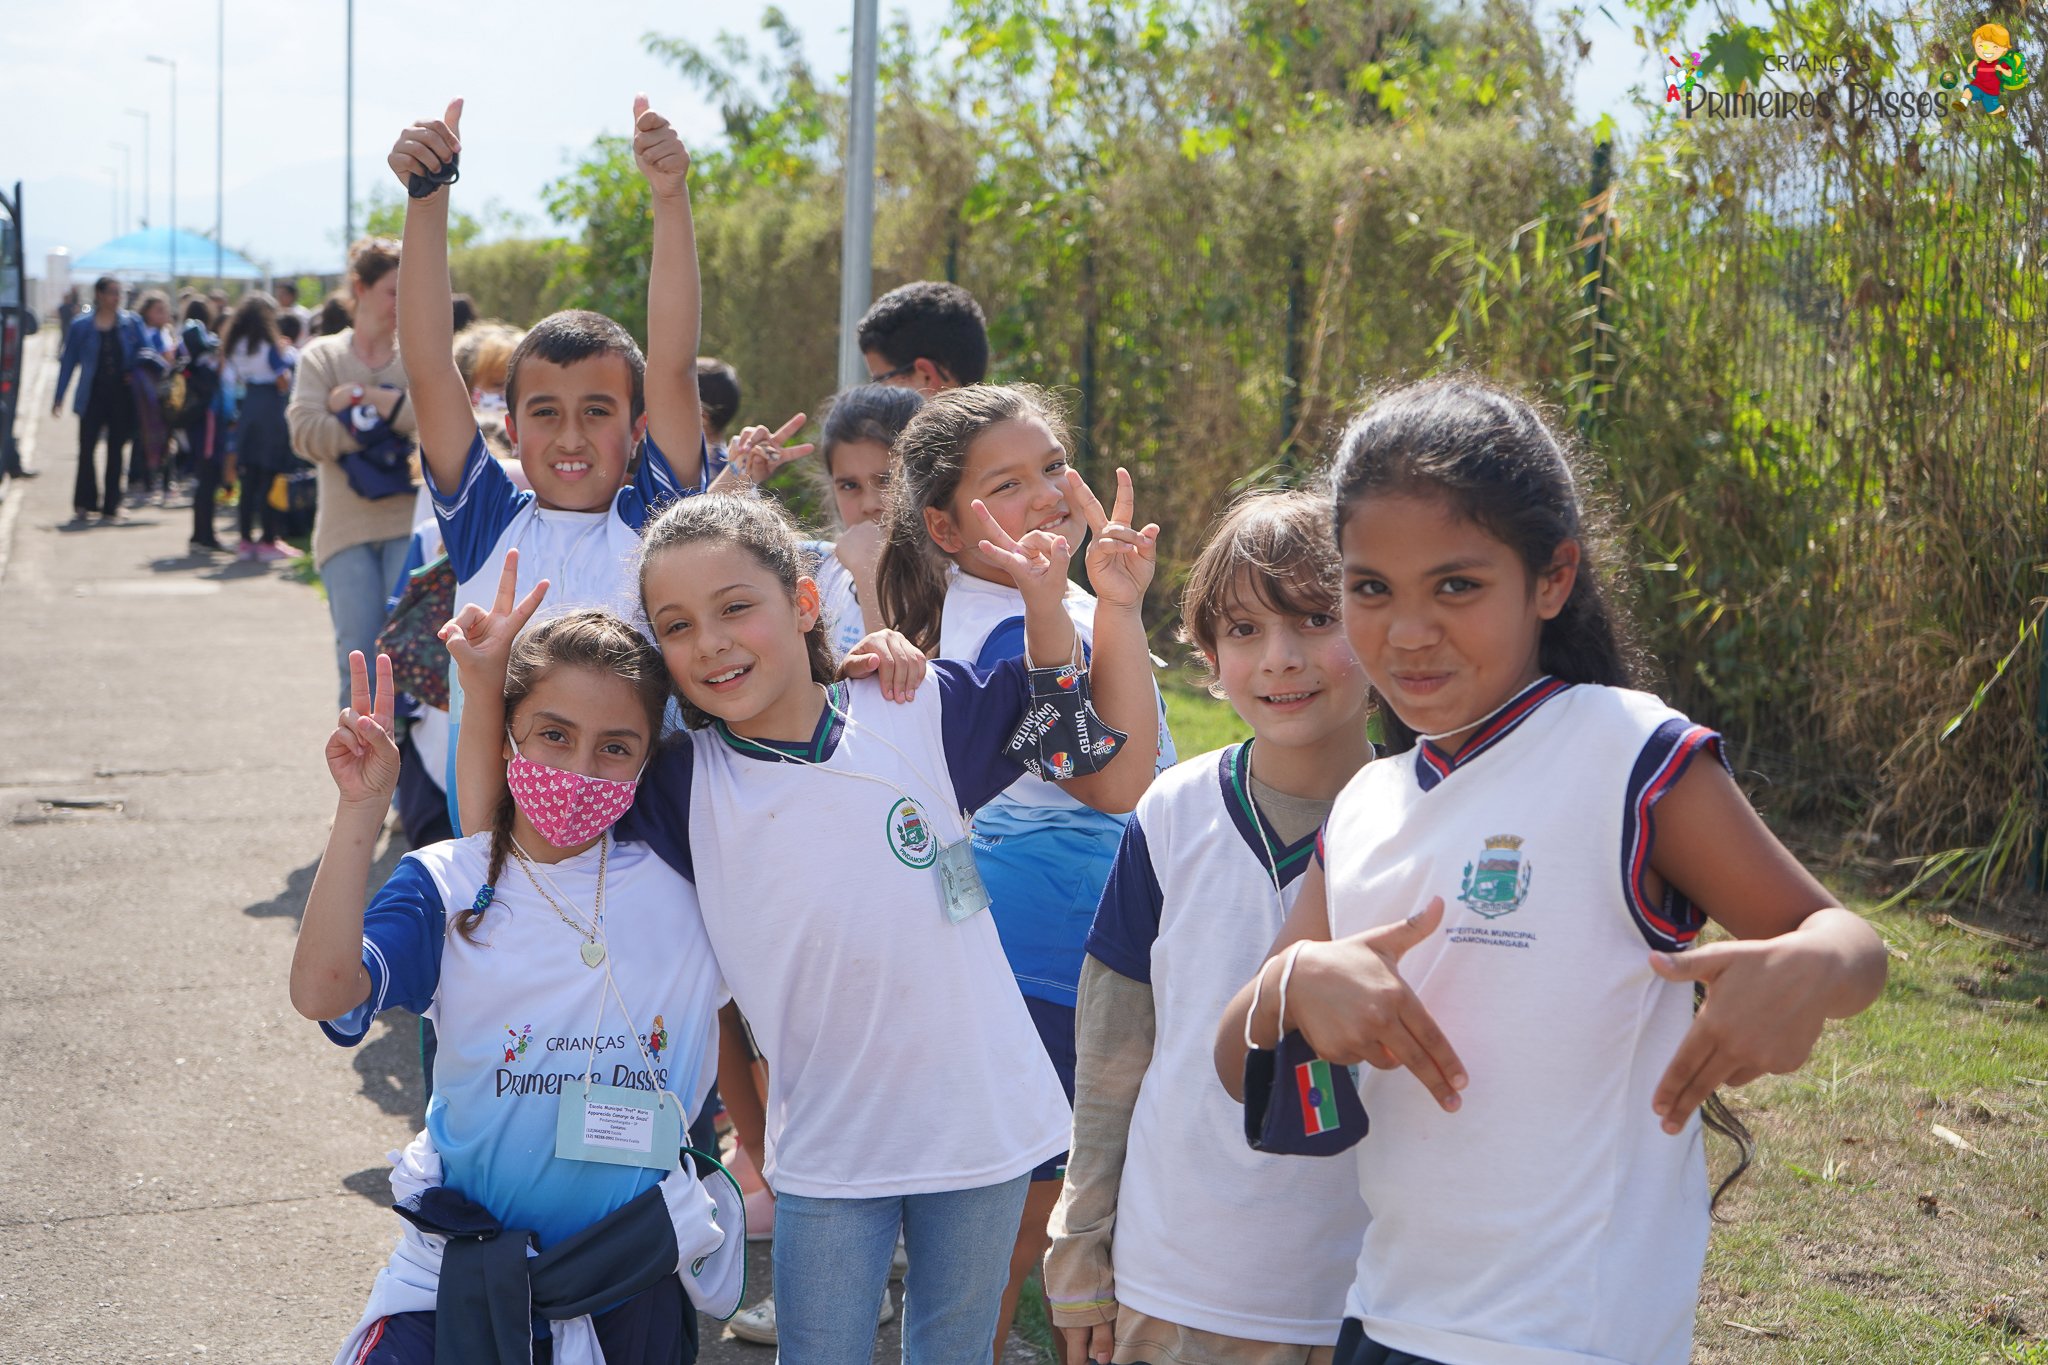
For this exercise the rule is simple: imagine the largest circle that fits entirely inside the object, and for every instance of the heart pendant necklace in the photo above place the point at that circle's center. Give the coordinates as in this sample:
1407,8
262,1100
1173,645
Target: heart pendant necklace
591,950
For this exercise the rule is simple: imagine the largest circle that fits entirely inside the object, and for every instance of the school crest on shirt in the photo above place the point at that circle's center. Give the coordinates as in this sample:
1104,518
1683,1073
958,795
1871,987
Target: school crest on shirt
1498,882
910,836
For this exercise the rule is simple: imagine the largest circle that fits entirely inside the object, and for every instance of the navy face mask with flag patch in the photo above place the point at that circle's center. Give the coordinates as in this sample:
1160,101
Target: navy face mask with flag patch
1297,1104
1061,736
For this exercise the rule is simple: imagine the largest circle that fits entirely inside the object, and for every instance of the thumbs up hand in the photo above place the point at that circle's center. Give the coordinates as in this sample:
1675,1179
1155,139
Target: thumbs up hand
1348,999
659,152
426,147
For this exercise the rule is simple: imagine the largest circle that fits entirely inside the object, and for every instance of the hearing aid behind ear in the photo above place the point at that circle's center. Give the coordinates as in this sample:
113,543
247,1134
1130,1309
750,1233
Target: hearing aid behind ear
420,186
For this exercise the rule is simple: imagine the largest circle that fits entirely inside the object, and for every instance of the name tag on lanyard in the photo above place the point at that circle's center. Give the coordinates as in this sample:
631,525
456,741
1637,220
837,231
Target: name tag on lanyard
960,880
622,1127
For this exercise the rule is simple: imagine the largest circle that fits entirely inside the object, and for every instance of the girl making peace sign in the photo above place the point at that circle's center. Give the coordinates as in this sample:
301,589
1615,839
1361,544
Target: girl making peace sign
825,833
544,949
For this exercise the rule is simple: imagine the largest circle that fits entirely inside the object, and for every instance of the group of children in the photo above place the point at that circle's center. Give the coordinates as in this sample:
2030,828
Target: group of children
906,801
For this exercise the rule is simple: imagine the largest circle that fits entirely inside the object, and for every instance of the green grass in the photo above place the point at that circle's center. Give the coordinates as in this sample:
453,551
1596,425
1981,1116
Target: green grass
1199,722
1860,1234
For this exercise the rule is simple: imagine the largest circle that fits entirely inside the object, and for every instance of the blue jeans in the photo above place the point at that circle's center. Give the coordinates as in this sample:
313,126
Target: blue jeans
832,1268
358,582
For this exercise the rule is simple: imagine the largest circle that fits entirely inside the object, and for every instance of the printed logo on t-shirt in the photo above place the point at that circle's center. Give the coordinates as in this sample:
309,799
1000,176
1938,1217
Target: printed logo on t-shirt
516,1041
1498,883
910,838
655,1039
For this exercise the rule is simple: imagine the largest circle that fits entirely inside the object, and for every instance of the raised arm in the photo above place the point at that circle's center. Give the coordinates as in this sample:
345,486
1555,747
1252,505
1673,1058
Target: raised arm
1121,559
426,326
328,979
481,643
674,417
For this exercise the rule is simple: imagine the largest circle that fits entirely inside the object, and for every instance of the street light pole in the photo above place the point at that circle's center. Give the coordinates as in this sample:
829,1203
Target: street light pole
857,238
127,182
220,108
166,61
143,114
348,138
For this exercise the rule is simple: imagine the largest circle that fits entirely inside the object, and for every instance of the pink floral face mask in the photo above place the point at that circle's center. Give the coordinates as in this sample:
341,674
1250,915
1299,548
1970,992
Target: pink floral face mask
565,808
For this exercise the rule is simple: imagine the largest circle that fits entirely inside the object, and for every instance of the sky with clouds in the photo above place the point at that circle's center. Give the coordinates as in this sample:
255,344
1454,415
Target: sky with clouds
71,73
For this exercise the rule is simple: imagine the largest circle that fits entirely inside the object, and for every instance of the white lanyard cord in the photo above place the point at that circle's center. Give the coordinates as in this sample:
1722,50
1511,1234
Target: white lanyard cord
847,720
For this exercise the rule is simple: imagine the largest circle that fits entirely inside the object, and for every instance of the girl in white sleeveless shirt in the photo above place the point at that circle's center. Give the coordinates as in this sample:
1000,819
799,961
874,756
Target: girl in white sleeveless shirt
1506,913
1159,1179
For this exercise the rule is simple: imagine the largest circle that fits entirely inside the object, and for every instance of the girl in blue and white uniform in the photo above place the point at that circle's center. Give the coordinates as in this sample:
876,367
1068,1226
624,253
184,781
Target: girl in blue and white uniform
1043,855
1502,923
574,992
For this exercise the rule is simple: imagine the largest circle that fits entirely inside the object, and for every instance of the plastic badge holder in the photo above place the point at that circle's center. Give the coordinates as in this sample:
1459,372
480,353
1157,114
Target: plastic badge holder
1297,1104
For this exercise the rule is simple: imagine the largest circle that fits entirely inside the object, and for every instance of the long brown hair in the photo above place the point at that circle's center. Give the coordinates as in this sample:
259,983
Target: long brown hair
930,458
761,528
591,638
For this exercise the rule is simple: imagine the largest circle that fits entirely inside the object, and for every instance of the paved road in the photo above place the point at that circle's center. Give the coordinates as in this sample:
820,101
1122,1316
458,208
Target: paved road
189,1172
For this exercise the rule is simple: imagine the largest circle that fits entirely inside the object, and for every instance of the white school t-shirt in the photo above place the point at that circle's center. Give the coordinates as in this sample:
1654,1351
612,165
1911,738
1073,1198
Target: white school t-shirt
1191,908
1551,1220
901,1058
836,592
520,1016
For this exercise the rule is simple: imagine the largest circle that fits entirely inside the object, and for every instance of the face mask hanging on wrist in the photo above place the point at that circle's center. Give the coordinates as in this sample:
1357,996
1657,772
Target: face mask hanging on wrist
1061,736
565,808
1295,1103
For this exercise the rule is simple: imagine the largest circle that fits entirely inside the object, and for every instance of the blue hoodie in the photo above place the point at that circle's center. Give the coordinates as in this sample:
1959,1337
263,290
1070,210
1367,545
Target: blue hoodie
82,353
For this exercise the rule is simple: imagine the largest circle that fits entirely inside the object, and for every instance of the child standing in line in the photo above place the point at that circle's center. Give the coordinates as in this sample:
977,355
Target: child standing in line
574,992
861,428
826,835
1043,854
578,398
1537,1183
1160,1176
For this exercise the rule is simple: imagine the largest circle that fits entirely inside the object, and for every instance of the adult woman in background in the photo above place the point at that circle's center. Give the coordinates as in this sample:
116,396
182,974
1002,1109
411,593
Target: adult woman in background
149,475
345,381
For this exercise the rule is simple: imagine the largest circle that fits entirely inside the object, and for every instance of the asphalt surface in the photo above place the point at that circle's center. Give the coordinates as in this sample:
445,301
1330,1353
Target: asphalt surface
190,1171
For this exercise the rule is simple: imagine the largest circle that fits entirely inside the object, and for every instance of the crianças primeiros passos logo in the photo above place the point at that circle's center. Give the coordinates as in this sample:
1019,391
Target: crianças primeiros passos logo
1822,85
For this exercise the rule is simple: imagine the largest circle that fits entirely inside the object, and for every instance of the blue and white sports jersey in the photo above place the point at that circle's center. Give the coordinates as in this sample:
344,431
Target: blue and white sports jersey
1551,1219
588,558
1043,855
900,1058
520,1017
1192,907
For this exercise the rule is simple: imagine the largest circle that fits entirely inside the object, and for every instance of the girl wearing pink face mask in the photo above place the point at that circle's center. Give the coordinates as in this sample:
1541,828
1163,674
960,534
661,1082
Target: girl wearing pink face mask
571,982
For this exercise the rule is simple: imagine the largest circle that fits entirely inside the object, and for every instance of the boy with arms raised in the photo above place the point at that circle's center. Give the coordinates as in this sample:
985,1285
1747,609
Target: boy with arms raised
578,394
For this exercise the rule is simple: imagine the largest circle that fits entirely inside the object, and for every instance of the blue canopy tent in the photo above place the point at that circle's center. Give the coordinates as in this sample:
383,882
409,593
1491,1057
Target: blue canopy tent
146,255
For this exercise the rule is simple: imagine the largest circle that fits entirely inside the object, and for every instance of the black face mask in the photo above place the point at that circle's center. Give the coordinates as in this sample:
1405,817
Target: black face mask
1297,1104
1061,736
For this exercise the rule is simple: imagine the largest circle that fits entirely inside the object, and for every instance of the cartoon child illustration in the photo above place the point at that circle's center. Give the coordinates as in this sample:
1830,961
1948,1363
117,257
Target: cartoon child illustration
657,1038
1997,72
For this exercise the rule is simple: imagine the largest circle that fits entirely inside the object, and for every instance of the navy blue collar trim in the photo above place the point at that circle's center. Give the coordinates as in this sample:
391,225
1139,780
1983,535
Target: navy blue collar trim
1433,765
819,747
1289,860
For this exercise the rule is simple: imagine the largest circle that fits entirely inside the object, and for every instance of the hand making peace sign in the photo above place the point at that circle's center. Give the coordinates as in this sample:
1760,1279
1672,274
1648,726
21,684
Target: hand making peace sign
361,753
1121,559
1036,562
756,454
480,640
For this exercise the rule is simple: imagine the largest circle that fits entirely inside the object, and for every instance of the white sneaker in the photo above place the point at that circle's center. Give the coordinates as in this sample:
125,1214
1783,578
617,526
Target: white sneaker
899,1262
756,1324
